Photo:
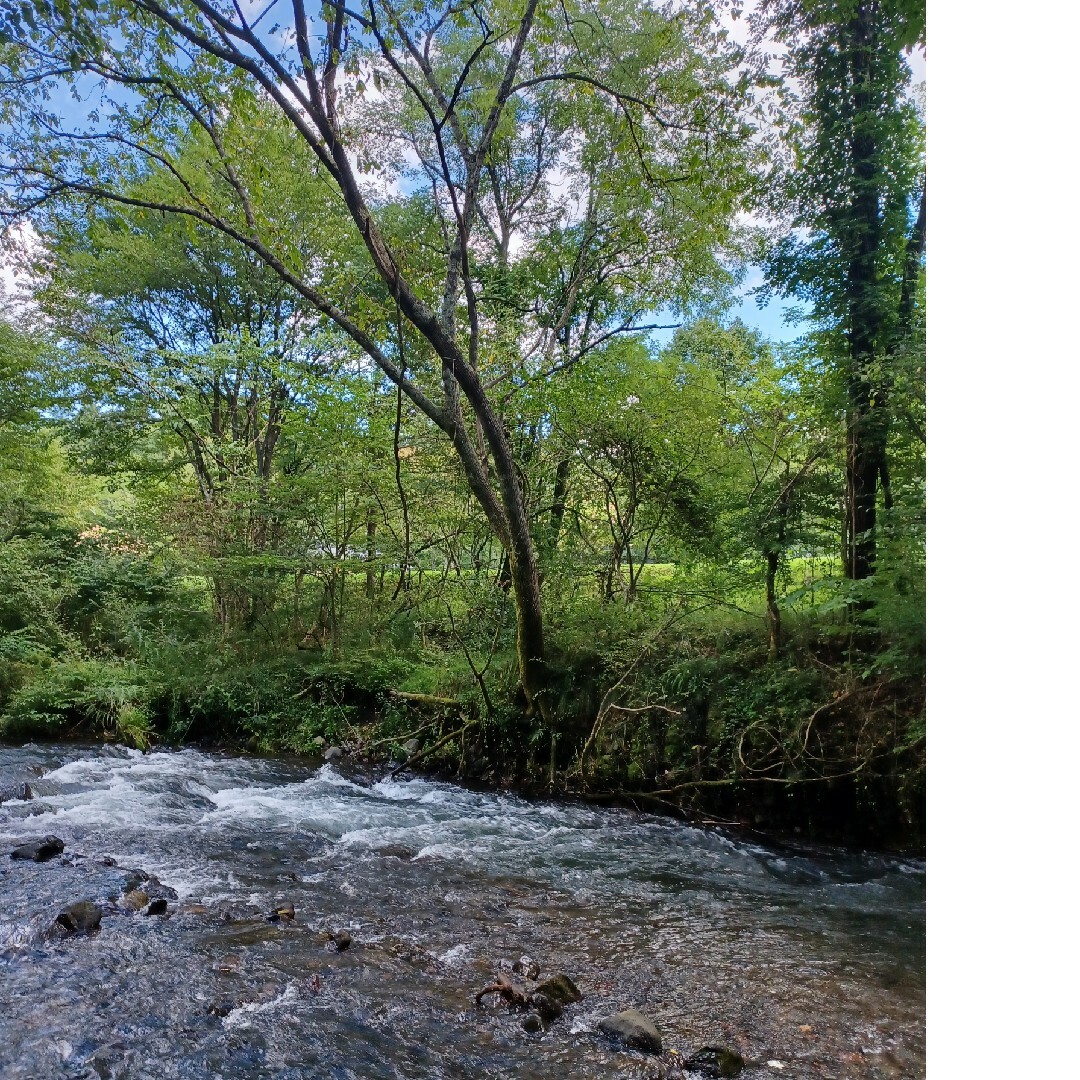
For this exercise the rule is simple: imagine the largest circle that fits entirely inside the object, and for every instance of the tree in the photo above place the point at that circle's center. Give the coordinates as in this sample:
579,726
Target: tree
856,187
625,107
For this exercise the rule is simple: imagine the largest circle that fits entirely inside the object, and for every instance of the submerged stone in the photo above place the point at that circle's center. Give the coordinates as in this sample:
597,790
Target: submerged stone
395,851
633,1030
716,1061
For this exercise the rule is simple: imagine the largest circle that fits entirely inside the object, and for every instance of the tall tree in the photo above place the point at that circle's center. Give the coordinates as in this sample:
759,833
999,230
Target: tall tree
627,106
855,191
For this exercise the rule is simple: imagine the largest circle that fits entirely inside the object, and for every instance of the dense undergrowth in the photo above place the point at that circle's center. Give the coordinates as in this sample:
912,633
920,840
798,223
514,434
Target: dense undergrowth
687,715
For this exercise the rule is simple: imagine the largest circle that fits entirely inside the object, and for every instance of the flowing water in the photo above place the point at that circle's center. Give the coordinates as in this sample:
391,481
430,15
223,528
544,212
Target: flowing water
808,962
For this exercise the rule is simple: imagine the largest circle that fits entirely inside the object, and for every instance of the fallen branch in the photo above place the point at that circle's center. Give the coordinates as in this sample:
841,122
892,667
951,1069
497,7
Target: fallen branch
511,994
421,754
403,738
427,699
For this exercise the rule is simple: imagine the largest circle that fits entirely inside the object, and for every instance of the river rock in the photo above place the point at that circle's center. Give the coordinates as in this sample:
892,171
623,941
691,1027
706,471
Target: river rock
333,753
527,967
80,917
282,911
547,1008
633,1030
532,1024
560,989
715,1061
158,906
39,850
395,851
135,879
154,888
135,900
10,792
341,940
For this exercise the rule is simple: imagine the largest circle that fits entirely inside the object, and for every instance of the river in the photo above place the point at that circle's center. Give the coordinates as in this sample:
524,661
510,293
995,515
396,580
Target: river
809,962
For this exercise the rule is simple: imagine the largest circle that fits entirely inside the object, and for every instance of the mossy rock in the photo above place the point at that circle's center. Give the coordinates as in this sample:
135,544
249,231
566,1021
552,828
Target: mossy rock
560,989
716,1061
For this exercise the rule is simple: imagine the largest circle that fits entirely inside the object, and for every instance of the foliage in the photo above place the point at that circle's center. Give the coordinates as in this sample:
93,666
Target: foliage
336,406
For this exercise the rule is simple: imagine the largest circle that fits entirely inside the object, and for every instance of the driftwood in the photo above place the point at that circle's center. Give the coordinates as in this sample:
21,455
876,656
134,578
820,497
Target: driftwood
511,994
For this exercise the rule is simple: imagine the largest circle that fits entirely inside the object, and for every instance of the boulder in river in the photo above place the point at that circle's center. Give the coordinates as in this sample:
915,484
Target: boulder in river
560,989
532,1024
341,940
333,753
39,850
135,899
80,917
135,879
158,906
11,792
716,1061
633,1030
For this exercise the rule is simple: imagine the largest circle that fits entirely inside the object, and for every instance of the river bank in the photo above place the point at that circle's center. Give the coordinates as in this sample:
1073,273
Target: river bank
823,744
811,959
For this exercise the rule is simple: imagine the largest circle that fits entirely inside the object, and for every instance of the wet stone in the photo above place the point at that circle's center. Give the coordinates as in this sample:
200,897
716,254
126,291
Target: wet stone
155,890
532,1024
526,967
333,753
39,850
80,917
158,906
715,1061
135,880
247,933
135,900
560,989
341,940
633,1030
547,1008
